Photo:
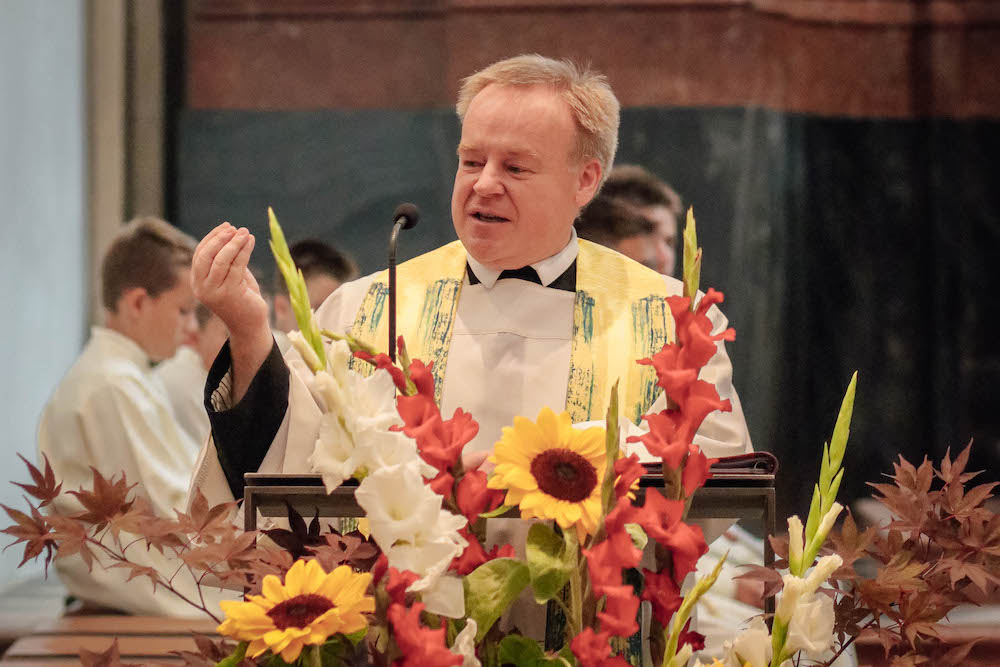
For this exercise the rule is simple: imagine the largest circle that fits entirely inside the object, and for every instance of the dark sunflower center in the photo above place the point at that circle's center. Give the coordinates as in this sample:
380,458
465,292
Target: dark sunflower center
564,474
300,611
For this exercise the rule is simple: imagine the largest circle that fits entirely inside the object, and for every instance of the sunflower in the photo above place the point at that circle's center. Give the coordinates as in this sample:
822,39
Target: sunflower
309,607
552,470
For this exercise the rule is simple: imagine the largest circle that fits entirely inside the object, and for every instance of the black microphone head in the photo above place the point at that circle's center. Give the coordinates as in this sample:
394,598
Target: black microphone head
409,213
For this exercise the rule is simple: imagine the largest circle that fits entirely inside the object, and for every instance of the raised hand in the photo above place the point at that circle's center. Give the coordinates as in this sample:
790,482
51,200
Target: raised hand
221,281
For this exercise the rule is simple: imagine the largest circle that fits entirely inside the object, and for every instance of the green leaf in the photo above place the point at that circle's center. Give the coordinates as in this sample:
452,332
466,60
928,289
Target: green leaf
812,523
521,651
549,562
692,259
500,511
842,430
235,657
638,535
491,588
610,452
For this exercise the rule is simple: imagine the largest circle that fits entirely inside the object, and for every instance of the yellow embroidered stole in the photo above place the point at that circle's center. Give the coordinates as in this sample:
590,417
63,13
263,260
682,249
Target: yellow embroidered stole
619,316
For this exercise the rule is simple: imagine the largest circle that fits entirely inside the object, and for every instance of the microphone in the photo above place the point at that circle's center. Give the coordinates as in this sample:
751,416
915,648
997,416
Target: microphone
405,216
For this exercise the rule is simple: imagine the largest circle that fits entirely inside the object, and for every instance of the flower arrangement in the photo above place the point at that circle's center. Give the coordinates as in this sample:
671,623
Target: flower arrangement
425,587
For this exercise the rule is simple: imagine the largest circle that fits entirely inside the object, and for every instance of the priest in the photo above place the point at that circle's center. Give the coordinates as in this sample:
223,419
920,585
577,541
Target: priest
516,315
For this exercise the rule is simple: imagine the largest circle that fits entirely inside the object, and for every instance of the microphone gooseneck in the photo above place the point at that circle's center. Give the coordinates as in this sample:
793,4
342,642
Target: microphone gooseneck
404,217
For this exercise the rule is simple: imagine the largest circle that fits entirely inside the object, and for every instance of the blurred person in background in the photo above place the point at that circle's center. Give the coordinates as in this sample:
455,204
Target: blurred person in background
654,199
111,412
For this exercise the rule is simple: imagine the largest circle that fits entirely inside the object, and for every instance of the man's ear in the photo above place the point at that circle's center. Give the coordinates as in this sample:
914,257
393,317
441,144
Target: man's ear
133,301
282,307
589,179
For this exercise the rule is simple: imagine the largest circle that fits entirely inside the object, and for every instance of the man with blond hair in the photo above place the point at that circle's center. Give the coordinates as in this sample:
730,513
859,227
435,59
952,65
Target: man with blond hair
516,315
111,412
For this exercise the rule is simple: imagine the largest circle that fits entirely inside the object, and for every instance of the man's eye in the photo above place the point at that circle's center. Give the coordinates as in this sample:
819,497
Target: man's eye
471,163
514,169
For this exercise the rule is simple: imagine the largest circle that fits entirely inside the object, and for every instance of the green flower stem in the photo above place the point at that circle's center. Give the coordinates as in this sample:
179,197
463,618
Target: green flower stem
311,656
779,635
687,608
575,617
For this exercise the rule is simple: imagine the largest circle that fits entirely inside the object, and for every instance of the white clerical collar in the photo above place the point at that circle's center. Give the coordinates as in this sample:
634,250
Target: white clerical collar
120,345
548,269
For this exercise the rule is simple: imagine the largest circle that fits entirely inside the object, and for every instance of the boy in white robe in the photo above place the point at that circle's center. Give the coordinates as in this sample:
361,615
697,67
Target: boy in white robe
111,412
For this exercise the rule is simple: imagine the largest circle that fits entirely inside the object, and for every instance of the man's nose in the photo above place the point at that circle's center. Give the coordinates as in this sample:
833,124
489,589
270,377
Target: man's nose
489,182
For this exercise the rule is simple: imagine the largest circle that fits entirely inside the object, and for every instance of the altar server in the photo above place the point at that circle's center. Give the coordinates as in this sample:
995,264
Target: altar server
110,411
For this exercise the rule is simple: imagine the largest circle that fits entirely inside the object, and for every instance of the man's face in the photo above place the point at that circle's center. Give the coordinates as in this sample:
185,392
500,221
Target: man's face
167,320
519,185
666,226
647,249
320,286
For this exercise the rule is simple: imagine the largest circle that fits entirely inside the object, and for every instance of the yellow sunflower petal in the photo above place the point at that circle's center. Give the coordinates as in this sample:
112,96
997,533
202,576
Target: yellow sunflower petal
273,590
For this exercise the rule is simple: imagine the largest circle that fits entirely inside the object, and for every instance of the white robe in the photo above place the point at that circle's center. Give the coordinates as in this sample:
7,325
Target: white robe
183,376
112,413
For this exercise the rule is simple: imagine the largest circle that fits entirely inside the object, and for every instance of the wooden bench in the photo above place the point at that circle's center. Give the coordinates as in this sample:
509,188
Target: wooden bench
141,639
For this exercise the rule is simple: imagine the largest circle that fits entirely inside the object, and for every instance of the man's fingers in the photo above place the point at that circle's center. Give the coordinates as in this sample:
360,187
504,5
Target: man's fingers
224,259
238,268
251,280
205,253
472,460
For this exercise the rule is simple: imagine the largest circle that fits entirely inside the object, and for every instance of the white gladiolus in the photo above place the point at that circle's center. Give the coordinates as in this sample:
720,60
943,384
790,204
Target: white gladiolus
751,646
811,627
305,350
824,568
682,657
465,644
399,506
333,455
827,523
794,588
795,544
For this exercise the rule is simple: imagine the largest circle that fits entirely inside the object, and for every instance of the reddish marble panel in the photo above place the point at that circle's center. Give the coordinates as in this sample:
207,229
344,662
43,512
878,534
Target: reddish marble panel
315,54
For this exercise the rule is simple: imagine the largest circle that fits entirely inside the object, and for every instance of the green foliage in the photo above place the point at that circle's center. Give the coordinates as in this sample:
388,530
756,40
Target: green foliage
491,588
550,562
297,293
692,259
524,652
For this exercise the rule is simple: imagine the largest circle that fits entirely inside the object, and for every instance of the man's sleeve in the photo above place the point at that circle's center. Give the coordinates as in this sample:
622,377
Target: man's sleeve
243,432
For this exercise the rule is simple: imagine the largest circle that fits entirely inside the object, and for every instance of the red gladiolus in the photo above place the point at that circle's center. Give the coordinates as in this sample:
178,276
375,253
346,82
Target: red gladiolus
663,593
628,470
475,555
688,636
442,445
420,646
687,545
442,484
659,517
668,438
696,470
398,583
422,378
593,650
474,498
619,615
